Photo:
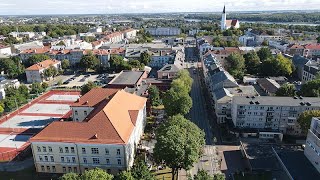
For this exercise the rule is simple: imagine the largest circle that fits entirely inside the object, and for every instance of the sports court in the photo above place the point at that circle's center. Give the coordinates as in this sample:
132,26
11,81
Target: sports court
14,127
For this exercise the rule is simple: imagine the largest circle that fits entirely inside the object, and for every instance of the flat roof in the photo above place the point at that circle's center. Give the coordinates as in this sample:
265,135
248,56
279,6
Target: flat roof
127,77
276,101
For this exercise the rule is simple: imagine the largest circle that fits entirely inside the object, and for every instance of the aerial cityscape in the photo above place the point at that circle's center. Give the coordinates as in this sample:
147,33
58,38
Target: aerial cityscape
160,90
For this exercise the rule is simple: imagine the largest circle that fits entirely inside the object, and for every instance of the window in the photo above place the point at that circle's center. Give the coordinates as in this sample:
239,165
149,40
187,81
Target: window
53,169
42,168
52,159
83,150
119,161
73,159
72,149
68,159
60,149
44,149
39,149
75,170
46,158
40,158
107,151
50,149
76,113
69,169
108,161
62,159
85,160
118,151
48,168
66,149
94,150
96,160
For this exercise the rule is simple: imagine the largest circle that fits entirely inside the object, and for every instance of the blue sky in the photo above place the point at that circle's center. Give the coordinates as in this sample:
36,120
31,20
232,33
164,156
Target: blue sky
24,7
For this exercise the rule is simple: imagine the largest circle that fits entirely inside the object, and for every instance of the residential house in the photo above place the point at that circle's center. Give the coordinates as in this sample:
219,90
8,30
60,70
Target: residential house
35,72
299,62
269,86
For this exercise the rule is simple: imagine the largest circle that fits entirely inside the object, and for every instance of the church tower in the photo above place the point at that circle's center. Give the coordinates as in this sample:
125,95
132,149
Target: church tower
223,19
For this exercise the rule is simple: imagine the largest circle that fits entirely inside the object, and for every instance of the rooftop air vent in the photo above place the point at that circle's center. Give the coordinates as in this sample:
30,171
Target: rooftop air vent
295,97
253,97
308,103
247,97
257,102
251,102
300,97
302,104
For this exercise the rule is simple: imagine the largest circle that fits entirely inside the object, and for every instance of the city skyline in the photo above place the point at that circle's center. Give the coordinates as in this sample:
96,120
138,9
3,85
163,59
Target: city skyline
35,7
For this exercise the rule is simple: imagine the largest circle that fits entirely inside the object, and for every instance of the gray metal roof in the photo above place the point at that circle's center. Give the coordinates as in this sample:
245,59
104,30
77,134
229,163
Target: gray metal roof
277,101
225,78
127,77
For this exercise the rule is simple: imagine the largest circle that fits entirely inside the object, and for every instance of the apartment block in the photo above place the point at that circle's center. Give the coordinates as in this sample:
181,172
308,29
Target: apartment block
312,148
105,131
278,114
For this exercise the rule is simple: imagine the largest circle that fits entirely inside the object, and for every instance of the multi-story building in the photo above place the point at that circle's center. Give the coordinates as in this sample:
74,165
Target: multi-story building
105,131
35,72
164,31
130,33
310,70
5,50
312,148
278,114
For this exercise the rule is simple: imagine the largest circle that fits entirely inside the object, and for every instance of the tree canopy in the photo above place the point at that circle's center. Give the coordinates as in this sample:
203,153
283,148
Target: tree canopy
87,87
145,58
235,65
12,67
179,143
286,90
65,64
140,171
311,88
36,88
252,62
154,95
93,174
279,66
89,61
124,175
203,175
304,119
15,97
177,101
264,54
33,59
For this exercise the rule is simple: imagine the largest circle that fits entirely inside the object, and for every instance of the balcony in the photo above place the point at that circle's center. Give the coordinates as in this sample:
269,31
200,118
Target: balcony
315,132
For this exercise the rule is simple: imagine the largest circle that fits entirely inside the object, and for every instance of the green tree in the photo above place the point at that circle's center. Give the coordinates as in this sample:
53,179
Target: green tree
87,87
235,65
185,77
140,171
154,95
311,88
145,58
24,91
177,102
285,65
89,61
124,175
48,73
179,144
136,64
35,59
252,62
265,43
318,39
65,64
45,85
264,54
96,174
304,119
36,88
70,176
286,90
202,175
1,109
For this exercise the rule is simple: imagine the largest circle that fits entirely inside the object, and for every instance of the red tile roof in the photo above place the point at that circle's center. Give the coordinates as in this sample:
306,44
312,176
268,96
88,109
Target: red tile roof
313,46
42,65
112,121
230,23
95,97
36,50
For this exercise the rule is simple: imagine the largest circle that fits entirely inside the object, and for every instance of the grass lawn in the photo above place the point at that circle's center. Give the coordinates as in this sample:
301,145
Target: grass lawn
163,174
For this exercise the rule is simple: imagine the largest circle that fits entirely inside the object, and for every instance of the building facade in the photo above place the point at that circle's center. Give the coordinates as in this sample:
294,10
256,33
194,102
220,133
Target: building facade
312,147
164,31
107,138
35,72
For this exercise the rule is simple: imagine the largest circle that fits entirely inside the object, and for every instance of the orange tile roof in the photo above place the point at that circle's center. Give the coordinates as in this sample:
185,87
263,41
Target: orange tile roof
42,65
95,97
230,23
36,50
313,46
96,43
112,122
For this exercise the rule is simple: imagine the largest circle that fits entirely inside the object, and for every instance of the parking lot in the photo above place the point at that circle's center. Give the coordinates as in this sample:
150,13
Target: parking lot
76,81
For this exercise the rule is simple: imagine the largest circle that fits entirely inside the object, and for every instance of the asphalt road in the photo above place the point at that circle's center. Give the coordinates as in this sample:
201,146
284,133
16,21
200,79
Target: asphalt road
198,113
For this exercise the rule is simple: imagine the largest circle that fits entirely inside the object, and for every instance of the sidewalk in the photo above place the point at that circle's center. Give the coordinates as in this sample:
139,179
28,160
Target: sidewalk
16,165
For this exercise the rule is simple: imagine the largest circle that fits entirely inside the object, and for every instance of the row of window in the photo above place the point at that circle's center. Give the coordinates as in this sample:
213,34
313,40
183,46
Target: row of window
72,150
68,159
96,160
284,108
46,158
76,113
50,169
75,169
317,152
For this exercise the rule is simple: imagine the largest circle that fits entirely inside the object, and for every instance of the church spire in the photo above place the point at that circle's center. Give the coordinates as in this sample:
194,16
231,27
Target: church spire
224,9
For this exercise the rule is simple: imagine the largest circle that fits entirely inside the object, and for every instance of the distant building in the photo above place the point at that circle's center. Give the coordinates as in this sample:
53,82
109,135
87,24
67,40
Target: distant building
105,132
299,62
35,72
164,31
7,82
269,86
96,29
310,70
125,78
169,71
227,24
5,50
130,33
312,147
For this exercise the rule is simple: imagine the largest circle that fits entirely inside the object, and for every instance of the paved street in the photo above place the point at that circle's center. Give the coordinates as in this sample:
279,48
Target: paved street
198,113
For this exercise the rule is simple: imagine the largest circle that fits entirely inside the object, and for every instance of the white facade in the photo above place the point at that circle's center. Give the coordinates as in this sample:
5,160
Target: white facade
131,33
164,31
35,72
312,146
62,157
5,51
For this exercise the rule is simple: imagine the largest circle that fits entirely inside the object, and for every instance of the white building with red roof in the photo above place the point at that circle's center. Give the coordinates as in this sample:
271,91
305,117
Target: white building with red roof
227,24
35,72
106,129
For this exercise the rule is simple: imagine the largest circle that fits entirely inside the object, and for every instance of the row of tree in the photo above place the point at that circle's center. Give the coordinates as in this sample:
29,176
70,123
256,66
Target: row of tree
260,63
